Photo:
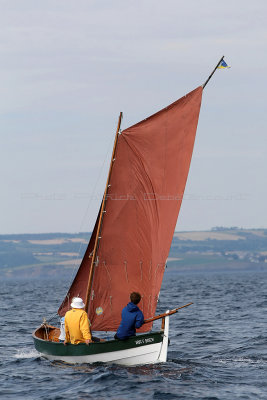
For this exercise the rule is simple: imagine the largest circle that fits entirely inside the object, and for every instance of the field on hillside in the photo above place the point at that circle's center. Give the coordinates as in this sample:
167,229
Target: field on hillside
33,255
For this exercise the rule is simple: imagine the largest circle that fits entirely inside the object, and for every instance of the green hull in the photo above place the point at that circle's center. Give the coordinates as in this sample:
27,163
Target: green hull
148,348
59,349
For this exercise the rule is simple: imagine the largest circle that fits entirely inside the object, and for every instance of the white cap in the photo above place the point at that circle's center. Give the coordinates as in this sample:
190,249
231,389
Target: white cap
77,302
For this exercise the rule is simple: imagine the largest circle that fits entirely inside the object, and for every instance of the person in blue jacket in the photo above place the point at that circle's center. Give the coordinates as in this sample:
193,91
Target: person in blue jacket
132,318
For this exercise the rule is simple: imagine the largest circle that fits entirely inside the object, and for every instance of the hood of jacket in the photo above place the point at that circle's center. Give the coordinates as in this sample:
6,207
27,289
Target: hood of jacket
131,307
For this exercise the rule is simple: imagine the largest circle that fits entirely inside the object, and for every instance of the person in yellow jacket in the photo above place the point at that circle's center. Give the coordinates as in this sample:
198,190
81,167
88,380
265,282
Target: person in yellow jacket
77,326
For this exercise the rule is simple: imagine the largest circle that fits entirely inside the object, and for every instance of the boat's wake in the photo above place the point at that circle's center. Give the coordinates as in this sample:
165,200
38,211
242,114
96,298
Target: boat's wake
26,353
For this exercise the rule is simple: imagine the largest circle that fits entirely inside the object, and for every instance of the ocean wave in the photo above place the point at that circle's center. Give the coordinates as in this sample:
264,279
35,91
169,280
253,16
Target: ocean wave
243,360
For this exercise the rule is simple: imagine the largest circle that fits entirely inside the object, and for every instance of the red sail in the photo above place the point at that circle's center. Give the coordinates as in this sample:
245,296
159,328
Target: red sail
146,188
147,185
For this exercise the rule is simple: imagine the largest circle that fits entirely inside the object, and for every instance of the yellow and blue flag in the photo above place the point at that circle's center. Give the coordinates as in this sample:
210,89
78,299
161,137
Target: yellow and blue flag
223,65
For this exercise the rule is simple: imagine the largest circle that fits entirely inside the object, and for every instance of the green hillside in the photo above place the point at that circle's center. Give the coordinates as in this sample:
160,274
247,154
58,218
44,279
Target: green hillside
220,249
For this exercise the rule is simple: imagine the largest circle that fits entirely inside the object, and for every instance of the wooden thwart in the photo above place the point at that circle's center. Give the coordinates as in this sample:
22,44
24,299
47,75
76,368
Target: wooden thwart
166,314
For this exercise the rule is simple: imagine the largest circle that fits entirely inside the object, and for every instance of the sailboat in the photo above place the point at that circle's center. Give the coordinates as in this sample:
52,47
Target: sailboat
131,239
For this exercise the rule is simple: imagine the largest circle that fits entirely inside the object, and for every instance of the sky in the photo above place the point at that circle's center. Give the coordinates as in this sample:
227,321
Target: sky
68,67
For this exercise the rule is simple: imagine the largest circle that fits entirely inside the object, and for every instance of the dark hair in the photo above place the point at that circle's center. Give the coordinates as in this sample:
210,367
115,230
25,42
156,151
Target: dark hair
135,297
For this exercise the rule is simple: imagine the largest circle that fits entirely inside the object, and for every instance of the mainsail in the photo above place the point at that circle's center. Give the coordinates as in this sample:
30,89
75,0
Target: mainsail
145,192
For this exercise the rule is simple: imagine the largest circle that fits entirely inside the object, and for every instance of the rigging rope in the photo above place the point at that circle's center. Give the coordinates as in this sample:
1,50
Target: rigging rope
74,270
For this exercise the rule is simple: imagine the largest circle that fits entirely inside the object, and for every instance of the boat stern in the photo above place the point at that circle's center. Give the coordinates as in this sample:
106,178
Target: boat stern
164,347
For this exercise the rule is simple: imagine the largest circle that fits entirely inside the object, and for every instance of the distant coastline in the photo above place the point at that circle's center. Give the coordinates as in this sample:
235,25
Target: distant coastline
49,254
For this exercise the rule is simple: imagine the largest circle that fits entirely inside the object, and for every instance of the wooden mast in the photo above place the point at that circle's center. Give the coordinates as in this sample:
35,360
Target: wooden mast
93,262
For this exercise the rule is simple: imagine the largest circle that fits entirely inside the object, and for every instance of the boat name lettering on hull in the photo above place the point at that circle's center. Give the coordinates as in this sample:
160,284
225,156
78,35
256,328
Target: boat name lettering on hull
144,341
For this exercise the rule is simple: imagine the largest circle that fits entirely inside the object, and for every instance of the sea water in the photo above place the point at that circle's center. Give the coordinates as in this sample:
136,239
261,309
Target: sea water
218,346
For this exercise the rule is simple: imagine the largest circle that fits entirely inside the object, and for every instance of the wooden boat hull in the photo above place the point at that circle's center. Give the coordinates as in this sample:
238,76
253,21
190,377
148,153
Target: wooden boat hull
147,348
